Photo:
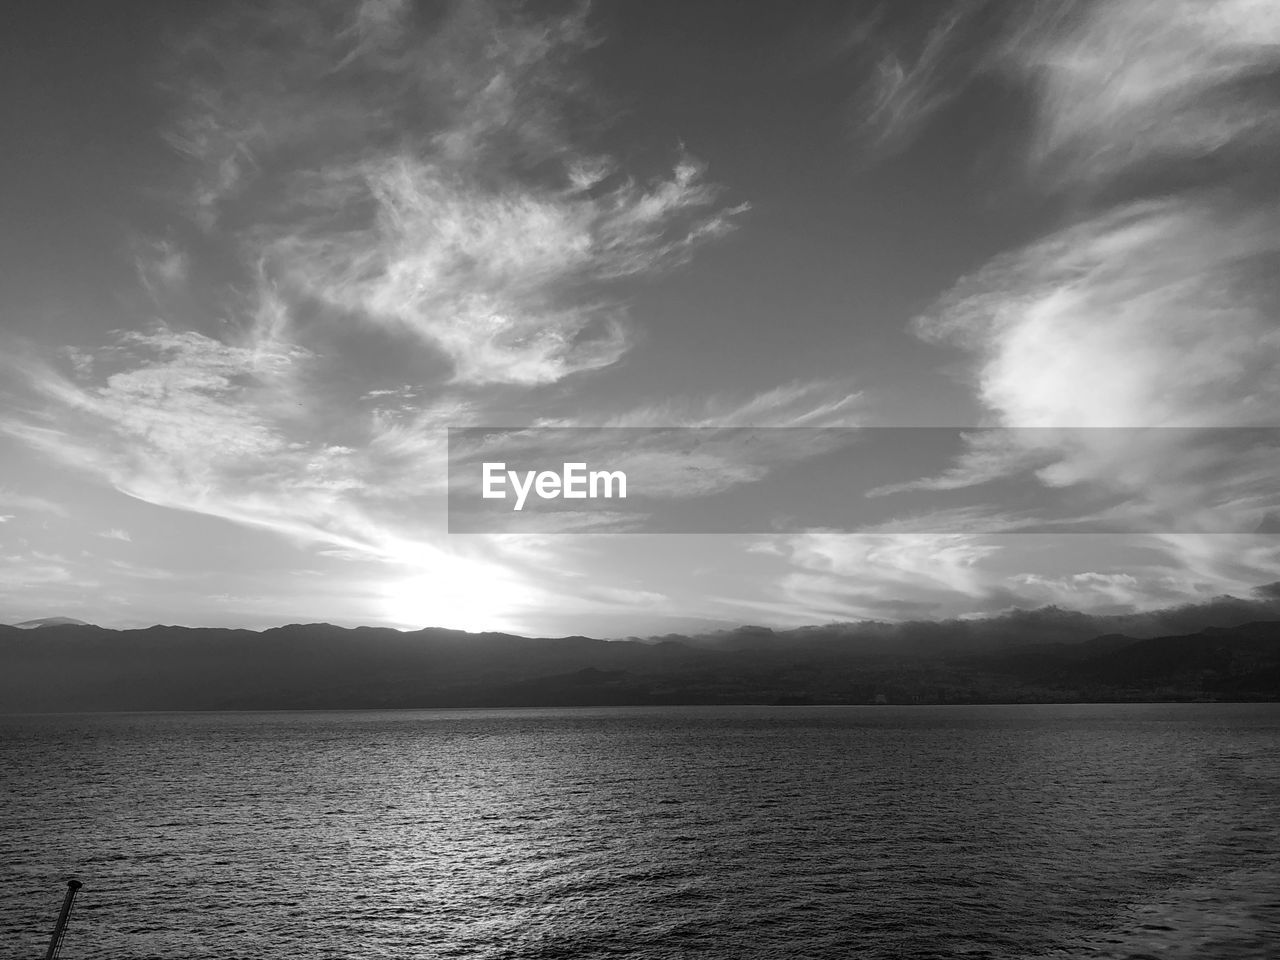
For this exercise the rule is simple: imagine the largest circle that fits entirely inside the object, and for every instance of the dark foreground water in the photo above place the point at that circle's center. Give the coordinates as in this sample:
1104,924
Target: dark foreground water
751,832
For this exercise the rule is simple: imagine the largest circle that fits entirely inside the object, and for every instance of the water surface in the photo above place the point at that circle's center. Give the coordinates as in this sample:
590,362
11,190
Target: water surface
741,832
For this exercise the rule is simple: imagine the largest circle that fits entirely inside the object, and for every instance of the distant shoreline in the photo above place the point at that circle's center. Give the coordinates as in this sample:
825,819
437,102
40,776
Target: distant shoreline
629,706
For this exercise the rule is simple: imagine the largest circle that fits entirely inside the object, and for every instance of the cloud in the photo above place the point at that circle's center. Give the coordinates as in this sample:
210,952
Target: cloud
428,232
1026,626
687,449
946,560
953,520
364,177
419,174
375,185
676,449
906,576
22,501
116,534
500,282
1154,315
1140,290
1142,89
1225,563
1081,590
1141,82
918,66
1155,307
189,422
989,455
820,403
143,572
185,396
837,576
34,569
162,267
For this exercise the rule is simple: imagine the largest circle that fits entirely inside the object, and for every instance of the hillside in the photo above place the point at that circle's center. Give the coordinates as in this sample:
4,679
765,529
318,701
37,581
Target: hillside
320,666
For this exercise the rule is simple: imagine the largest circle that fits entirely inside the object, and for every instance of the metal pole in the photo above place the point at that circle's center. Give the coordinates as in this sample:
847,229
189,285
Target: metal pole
55,943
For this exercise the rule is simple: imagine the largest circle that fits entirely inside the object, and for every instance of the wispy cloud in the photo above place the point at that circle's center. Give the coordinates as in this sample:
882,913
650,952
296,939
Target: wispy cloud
187,422
907,576
1147,311
1124,83
679,449
377,176
23,501
143,572
501,281
989,455
838,576
1229,563
419,174
190,423
1153,315
815,403
1116,87
409,219
918,66
33,568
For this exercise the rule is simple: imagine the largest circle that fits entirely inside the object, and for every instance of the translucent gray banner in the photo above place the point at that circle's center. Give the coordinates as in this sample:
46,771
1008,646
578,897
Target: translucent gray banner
929,480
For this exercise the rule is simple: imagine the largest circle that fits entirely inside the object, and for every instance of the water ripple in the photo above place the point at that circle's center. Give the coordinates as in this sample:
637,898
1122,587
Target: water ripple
1001,832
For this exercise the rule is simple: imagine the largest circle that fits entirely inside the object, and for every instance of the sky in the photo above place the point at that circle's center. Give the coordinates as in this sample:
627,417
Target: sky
258,259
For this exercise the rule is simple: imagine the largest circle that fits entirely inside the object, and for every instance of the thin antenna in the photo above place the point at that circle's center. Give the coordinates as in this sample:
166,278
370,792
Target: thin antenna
55,943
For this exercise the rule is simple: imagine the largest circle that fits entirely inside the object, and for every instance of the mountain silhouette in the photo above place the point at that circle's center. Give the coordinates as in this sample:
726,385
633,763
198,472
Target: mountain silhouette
62,667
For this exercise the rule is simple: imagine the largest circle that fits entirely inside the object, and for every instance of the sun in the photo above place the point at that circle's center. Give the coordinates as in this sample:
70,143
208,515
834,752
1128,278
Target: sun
458,593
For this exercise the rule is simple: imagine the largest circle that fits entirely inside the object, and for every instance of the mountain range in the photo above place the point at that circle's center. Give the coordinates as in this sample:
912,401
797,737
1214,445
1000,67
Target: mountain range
51,622
61,666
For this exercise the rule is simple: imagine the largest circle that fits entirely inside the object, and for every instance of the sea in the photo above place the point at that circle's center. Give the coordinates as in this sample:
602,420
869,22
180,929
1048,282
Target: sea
1072,831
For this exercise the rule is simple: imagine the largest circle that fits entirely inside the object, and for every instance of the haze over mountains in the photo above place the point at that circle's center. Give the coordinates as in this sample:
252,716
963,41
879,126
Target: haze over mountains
1228,648
51,622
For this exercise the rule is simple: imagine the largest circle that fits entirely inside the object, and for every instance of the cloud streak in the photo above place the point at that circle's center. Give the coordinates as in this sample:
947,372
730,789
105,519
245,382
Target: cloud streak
1114,88
919,66
408,181
1129,83
1146,311
1151,307
191,423
13,499
417,173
